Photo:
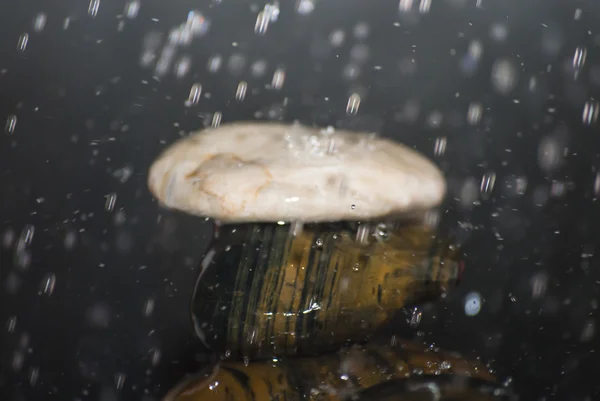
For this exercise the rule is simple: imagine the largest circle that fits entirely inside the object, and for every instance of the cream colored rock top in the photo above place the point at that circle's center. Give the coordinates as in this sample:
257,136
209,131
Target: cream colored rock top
268,172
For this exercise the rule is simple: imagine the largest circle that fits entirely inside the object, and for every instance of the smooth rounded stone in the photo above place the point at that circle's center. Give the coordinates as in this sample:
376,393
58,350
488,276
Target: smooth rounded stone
270,290
269,172
335,376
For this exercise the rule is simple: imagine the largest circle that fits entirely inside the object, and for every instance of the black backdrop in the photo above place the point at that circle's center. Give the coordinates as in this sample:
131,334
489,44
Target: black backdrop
94,300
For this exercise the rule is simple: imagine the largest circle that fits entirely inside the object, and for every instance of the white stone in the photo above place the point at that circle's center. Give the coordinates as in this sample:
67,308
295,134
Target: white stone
268,172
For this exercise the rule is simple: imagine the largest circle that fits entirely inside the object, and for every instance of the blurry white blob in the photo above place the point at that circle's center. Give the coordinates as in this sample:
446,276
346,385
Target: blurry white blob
22,42
597,185
425,6
550,154
305,6
589,330
39,23
469,193
132,8
405,5
539,283
182,67
435,118
472,303
361,31
499,32
353,104
258,68
590,112
214,63
474,113
504,76
336,38
99,315
278,78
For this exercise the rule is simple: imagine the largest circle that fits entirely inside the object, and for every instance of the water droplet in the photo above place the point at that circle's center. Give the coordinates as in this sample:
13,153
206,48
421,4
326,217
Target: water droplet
487,183
579,58
216,120
262,23
258,68
182,67
70,239
22,42
590,112
425,6
305,6
18,360
119,381
11,124
194,96
539,283
214,63
111,200
34,373
93,8
439,148
48,284
99,315
504,76
240,93
39,23
416,317
405,5
474,113
336,38
550,154
278,78
588,331
353,104
149,307
11,324
472,304
132,8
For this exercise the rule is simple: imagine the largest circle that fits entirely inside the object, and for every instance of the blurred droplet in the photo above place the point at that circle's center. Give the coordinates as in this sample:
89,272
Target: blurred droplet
305,6
240,93
539,283
424,6
336,38
361,31
194,96
439,147
214,63
216,120
499,32
416,317
22,42
236,63
11,324
469,193
474,113
132,8
258,68
588,332
590,112
182,67
119,381
405,5
39,23
18,360
550,154
93,8
353,104
278,78
111,200
34,373
488,182
11,124
149,307
504,76
262,23
70,239
579,58
48,284
99,315
155,355
472,303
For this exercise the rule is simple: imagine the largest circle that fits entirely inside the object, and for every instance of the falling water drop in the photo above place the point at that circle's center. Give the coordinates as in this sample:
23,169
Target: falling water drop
240,93
93,8
262,23
39,22
48,284
194,96
132,8
590,112
22,42
353,104
216,120
579,58
111,200
11,124
278,78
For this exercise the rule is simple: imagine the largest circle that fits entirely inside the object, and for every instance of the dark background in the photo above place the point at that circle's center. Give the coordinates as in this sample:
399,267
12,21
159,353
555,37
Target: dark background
94,305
